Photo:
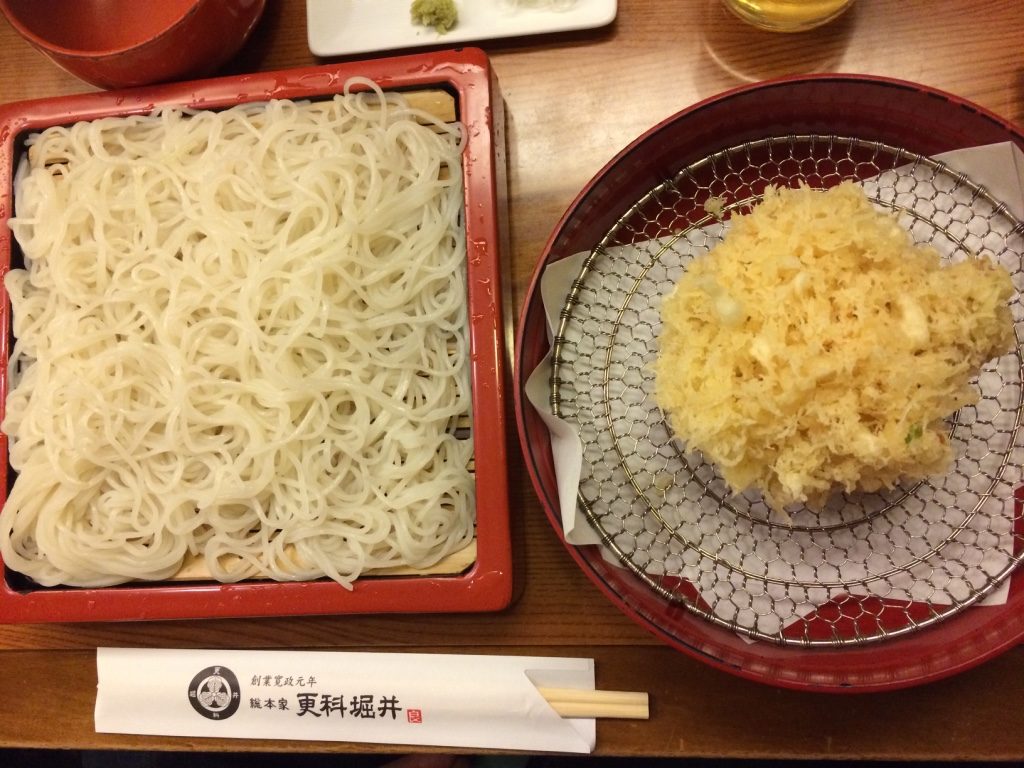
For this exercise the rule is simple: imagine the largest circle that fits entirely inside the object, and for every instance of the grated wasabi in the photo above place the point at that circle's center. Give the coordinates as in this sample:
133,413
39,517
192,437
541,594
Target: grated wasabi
442,15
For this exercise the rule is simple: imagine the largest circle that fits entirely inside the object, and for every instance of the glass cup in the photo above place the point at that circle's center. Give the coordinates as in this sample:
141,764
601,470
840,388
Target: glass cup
787,15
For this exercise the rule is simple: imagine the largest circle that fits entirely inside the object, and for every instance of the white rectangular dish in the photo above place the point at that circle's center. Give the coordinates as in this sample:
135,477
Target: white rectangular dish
342,27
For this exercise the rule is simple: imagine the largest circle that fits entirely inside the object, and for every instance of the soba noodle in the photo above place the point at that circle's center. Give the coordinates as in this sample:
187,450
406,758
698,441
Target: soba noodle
239,333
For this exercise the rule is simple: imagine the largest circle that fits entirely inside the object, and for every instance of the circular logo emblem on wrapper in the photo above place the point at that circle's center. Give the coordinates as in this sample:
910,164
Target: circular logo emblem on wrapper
214,693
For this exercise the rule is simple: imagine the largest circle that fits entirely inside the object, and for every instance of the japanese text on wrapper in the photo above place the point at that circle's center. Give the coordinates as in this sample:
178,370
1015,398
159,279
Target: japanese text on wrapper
367,706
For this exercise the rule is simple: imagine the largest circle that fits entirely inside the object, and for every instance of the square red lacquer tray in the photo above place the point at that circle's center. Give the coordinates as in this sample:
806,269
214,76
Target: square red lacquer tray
487,584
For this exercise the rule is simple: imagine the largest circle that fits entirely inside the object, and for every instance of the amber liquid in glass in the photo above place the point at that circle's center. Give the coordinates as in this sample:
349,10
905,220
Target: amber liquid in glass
787,15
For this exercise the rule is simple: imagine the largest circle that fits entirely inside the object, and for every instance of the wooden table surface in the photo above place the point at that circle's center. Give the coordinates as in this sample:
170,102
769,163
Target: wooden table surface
573,101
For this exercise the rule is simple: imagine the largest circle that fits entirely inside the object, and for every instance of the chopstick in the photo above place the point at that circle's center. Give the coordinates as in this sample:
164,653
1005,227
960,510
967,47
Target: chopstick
577,702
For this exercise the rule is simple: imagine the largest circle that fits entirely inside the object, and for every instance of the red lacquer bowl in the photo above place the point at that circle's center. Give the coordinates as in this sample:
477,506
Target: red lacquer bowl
897,113
121,43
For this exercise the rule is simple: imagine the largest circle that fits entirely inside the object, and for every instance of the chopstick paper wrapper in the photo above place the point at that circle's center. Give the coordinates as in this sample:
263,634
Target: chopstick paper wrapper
491,702
999,167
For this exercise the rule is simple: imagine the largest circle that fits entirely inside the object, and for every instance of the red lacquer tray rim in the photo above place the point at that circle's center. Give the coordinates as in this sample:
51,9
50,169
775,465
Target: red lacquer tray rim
487,584
945,649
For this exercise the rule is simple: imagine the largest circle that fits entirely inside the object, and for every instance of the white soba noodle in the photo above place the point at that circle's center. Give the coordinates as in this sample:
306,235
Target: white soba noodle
239,333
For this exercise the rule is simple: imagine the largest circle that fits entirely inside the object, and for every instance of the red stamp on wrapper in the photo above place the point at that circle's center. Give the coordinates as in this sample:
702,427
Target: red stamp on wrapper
414,715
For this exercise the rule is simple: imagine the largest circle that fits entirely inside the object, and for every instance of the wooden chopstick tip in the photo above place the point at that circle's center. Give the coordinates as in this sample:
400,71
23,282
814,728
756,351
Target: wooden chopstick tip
580,702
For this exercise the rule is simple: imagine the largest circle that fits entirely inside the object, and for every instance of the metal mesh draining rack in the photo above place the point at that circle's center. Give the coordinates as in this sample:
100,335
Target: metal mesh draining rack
870,566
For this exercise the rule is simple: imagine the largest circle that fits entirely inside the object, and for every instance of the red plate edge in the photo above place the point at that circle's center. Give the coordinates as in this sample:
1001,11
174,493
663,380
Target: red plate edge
487,585
950,647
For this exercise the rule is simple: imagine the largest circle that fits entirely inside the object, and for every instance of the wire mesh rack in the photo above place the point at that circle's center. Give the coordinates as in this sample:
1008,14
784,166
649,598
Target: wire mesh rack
868,566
